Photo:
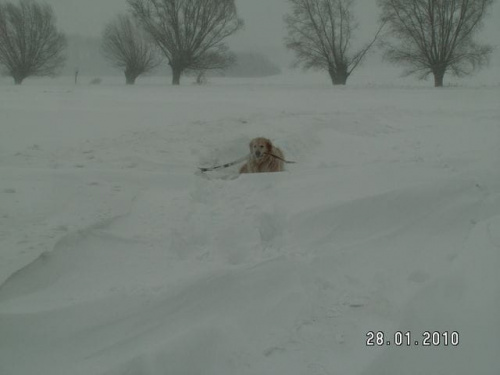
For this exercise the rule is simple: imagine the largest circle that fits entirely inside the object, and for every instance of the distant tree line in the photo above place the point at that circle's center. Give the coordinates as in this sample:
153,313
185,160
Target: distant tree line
87,54
429,37
249,64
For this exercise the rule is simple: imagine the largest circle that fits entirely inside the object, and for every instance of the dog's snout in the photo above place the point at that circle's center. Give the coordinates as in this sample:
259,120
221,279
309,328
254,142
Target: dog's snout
257,153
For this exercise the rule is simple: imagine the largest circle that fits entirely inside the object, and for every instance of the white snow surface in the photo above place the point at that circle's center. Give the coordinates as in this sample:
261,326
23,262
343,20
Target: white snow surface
118,258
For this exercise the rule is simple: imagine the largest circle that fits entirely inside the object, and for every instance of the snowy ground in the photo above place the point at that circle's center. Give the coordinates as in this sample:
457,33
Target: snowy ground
118,258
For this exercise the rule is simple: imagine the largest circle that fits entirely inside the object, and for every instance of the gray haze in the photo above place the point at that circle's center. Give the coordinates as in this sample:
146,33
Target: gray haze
264,28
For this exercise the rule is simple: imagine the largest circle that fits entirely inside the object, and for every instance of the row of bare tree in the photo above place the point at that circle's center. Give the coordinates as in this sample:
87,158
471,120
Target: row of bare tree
427,36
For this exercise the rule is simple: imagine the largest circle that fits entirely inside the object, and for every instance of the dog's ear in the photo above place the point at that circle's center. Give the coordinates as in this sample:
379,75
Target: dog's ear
269,146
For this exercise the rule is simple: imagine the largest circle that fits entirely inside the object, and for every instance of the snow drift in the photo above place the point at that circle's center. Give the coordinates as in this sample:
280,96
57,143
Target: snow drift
117,257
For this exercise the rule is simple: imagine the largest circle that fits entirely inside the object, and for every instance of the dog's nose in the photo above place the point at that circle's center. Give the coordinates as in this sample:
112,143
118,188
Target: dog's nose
257,153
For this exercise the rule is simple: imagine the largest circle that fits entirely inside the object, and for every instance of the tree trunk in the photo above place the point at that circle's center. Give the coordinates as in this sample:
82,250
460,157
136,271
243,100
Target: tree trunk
339,77
438,77
176,75
130,78
18,80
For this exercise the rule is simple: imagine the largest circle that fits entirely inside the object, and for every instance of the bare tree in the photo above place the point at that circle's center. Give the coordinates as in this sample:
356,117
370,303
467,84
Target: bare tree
126,46
436,36
190,32
30,44
320,34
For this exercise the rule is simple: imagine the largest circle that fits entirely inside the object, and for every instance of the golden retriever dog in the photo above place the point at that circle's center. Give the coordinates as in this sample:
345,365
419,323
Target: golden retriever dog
264,157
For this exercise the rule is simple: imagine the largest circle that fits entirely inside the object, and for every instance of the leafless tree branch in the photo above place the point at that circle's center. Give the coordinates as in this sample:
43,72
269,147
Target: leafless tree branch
30,44
320,33
190,33
435,36
126,46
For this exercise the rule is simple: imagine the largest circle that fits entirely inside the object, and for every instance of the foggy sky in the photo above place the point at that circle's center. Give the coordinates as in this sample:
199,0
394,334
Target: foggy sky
264,28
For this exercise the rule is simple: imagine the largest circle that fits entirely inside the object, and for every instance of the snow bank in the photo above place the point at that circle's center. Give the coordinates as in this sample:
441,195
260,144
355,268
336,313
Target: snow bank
118,257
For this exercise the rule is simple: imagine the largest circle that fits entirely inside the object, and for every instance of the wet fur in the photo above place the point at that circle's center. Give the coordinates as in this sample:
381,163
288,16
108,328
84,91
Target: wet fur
264,162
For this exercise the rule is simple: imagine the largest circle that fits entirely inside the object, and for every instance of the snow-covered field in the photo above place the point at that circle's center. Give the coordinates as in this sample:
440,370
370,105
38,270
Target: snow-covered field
118,258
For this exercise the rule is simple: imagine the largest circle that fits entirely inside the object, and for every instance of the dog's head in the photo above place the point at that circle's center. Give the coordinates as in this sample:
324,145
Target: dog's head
260,147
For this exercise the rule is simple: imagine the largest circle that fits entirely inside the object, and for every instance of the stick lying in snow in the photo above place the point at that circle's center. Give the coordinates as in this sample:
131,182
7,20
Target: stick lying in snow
278,157
224,165
241,160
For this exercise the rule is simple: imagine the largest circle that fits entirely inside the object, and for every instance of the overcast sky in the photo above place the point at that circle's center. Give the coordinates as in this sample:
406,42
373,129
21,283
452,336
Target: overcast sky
264,28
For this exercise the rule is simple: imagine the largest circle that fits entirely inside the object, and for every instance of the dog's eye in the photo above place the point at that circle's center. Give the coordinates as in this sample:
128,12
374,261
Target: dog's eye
261,146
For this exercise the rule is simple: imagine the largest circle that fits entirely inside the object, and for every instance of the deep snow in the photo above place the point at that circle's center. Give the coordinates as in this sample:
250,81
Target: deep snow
117,257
